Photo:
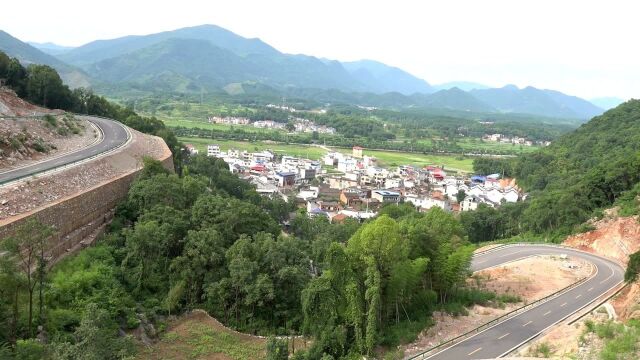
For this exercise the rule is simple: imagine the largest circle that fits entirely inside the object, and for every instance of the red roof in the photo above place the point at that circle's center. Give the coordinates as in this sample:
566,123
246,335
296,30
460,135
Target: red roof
357,148
258,168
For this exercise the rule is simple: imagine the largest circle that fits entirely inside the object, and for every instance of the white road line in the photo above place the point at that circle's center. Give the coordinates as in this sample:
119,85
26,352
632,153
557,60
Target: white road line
474,351
563,304
547,313
527,323
579,296
503,336
590,289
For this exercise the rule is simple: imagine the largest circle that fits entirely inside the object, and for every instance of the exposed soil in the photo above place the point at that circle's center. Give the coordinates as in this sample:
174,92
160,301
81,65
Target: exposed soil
12,105
614,237
530,279
522,277
25,139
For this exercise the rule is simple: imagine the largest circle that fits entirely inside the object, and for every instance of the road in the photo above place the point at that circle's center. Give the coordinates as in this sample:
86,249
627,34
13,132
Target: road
114,135
502,338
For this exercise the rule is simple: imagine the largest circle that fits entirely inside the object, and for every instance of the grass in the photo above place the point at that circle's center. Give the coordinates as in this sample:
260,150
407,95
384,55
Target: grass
306,151
205,125
385,158
199,337
474,144
622,341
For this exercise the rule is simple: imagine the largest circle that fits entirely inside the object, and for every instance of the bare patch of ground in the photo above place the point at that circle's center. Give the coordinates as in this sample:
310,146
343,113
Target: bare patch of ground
27,140
614,237
530,278
523,277
199,336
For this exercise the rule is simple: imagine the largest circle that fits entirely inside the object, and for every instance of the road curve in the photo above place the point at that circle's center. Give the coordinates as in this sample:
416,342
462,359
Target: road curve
502,338
114,135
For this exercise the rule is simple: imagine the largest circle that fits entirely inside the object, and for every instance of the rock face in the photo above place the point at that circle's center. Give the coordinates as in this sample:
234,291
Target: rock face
617,238
614,237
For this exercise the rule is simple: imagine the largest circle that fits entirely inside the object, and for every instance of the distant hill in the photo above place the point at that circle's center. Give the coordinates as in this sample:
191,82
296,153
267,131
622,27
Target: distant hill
606,102
28,54
50,48
456,99
462,85
104,49
535,101
189,65
214,59
382,78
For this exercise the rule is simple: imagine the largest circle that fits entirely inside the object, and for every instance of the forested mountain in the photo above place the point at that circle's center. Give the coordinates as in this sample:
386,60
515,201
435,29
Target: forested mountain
213,59
575,178
535,101
382,78
104,49
28,54
456,99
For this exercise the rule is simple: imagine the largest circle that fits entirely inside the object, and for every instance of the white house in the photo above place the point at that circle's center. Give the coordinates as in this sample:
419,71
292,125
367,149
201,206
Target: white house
385,196
213,150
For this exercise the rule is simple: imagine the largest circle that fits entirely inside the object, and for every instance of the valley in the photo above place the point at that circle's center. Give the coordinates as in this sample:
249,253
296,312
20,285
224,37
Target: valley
332,182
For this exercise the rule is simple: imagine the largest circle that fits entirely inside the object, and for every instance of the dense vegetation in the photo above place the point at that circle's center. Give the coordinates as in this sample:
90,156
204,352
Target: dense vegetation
578,176
207,240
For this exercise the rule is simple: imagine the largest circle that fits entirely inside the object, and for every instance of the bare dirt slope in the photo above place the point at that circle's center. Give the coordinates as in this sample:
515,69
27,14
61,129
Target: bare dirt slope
25,139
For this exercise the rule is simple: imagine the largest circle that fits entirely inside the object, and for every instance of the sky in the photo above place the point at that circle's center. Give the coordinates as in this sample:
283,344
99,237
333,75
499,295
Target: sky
584,48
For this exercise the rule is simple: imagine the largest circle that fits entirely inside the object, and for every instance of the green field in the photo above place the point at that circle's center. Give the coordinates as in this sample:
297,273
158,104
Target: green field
473,144
386,158
190,124
305,151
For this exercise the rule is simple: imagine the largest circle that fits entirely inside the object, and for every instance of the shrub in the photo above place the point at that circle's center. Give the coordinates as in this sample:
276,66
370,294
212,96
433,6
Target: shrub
50,120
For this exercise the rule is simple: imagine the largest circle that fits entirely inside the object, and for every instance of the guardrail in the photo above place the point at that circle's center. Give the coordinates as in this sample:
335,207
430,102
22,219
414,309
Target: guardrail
76,162
498,320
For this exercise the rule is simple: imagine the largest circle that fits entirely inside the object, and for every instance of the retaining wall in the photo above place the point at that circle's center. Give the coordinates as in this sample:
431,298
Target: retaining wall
77,216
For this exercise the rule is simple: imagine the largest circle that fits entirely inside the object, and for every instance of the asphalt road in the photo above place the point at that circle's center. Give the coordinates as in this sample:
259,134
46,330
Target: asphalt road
114,135
500,339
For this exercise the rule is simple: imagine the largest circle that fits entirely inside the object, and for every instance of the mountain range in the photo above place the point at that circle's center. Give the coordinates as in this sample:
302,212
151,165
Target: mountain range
210,58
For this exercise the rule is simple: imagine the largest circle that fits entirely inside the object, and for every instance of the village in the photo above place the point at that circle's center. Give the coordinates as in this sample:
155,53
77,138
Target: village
340,186
295,124
503,139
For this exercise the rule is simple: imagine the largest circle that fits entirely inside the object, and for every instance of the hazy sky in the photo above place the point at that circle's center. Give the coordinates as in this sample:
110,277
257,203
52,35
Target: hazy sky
585,48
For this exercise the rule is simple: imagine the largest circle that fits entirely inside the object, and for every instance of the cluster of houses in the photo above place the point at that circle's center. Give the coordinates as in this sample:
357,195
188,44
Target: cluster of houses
513,140
300,125
341,186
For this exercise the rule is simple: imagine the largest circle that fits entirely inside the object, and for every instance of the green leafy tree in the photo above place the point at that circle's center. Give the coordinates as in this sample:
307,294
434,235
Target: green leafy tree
27,247
633,267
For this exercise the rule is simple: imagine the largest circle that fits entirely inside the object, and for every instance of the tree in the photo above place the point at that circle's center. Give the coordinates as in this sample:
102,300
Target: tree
633,267
96,338
44,87
27,246
277,349
460,196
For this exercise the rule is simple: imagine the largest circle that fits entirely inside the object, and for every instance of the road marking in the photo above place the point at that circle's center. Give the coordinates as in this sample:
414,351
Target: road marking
503,336
474,351
547,313
579,296
527,323
590,289
480,262
563,304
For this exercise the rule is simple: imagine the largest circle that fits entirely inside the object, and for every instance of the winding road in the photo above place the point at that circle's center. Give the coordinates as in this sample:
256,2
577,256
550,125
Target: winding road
114,135
502,338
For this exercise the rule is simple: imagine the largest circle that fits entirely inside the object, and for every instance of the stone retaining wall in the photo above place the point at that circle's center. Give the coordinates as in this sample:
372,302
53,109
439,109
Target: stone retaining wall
79,215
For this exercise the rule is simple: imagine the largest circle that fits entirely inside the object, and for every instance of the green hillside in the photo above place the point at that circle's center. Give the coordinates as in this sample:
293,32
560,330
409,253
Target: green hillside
575,178
28,54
